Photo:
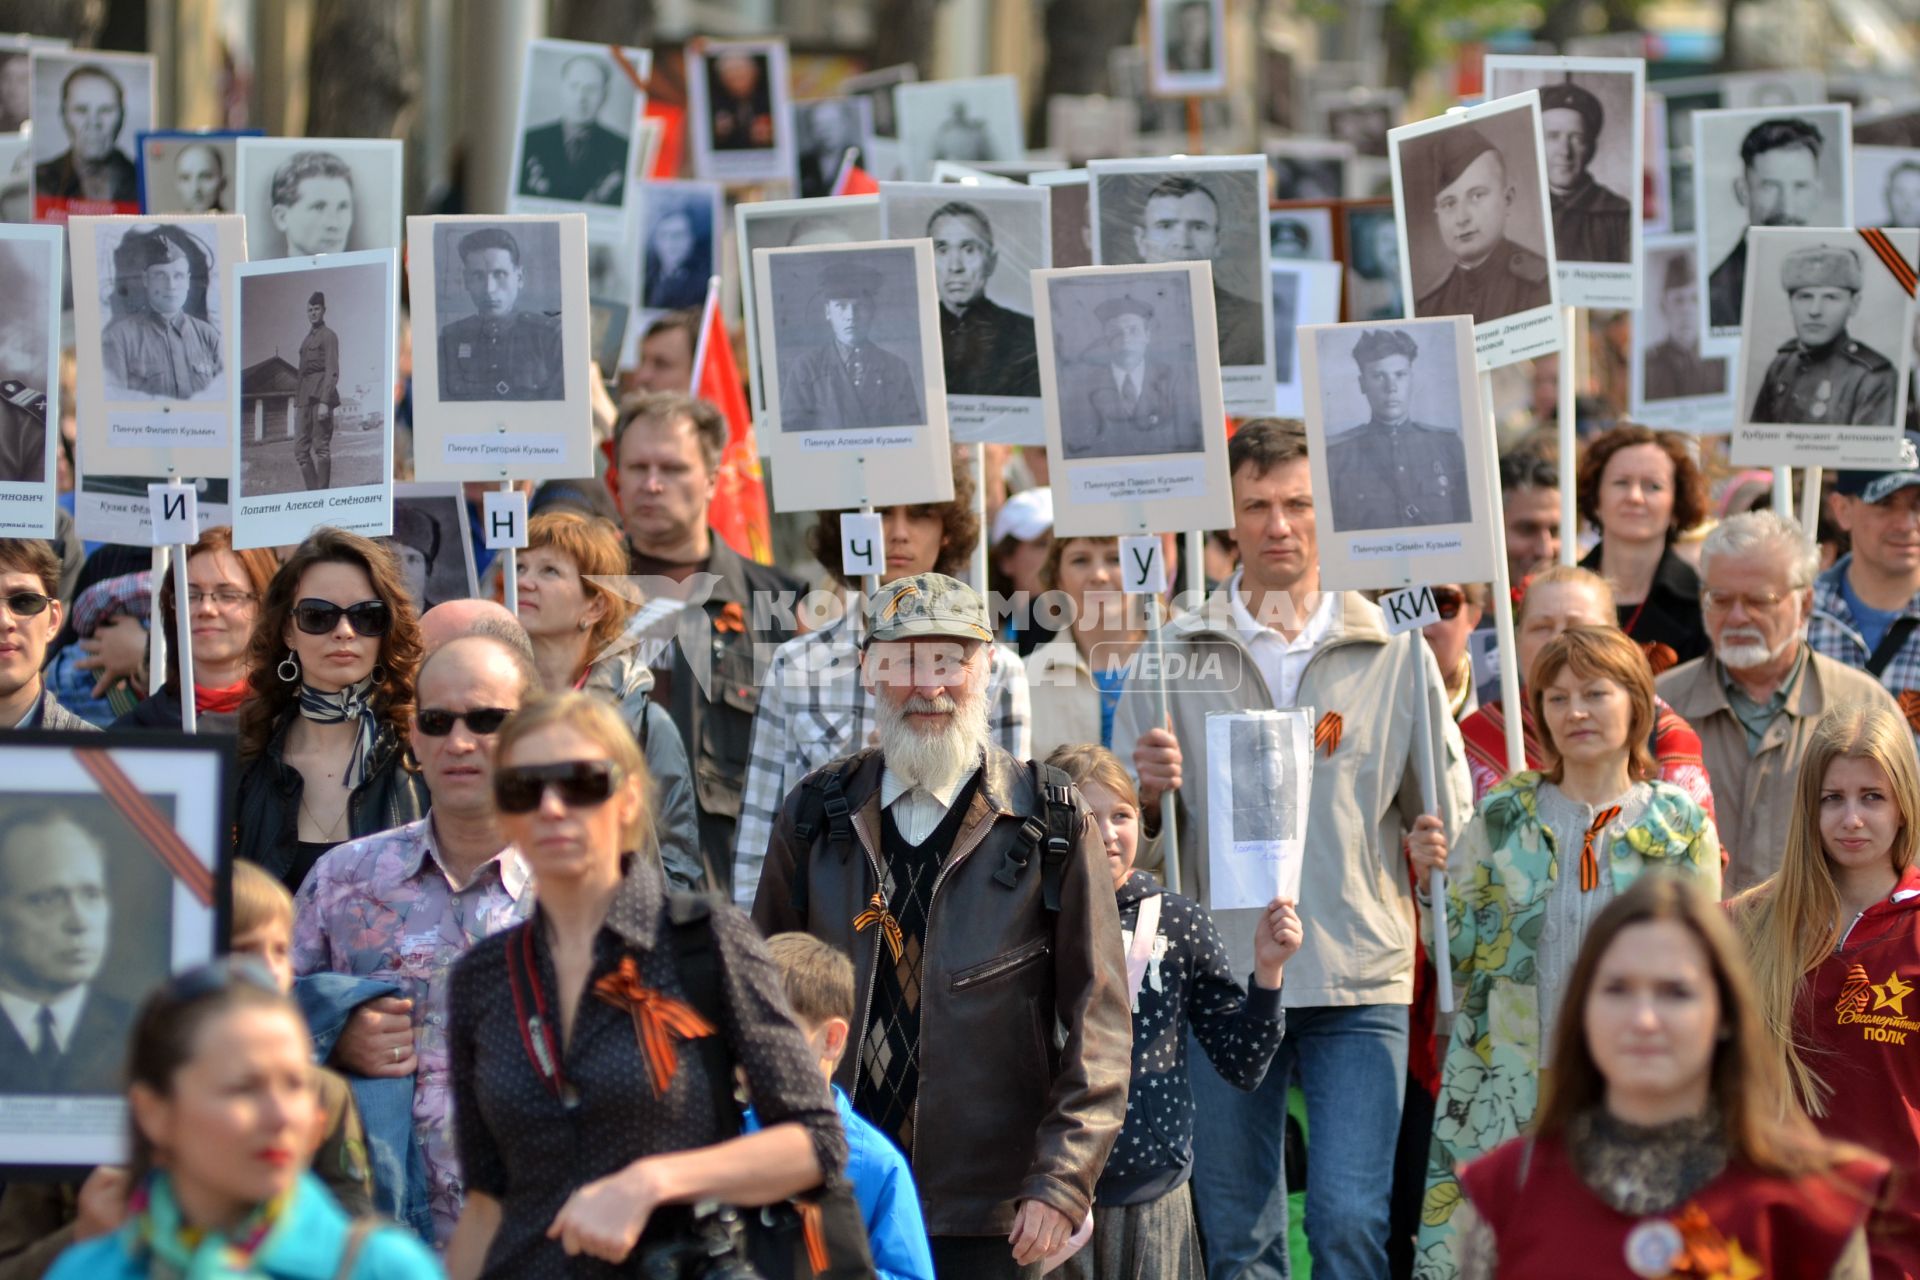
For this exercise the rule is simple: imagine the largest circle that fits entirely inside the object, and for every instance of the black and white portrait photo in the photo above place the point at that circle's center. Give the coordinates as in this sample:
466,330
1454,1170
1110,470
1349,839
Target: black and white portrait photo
1188,42
963,120
1266,792
162,331
29,343
1303,169
877,87
850,346
1301,232
1261,781
578,104
1396,457
739,111
825,131
679,223
309,196
1359,117
1763,168
498,293
432,543
1886,186
89,107
1125,364
1667,340
792,224
1374,282
16,84
1303,293
1069,217
16,178
187,172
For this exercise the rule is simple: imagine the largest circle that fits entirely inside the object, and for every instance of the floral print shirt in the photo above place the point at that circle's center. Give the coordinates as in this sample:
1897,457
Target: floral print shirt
384,907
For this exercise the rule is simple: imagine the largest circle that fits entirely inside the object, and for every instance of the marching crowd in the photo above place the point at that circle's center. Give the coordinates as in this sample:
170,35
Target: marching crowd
661,931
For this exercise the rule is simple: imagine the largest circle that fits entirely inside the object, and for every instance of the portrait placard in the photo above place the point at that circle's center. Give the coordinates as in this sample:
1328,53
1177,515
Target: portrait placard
1207,209
1823,368
30,259
792,224
1225,120
151,347
985,242
1304,231
1673,384
432,540
1068,215
189,171
1089,126
1369,244
678,230
115,508
500,387
1591,123
1187,40
1656,183
308,196
1470,195
91,106
1309,168
1260,787
885,159
1681,98
316,345
739,110
1303,293
573,144
1398,442
129,829
963,120
856,386
1762,167
16,79
826,130
1361,118
1886,186
1136,431
16,178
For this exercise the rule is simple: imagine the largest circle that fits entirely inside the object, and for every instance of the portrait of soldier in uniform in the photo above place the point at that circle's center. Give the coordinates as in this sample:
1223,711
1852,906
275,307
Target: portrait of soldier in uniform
29,271
988,349
415,544
576,157
1591,223
200,178
159,349
1779,185
501,352
317,396
1392,471
1123,398
1824,374
1674,368
1473,197
1265,791
1179,221
849,380
93,168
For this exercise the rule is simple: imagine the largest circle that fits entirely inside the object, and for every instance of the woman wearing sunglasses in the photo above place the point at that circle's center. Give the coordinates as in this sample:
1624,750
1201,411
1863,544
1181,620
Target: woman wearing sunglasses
225,1114
224,589
592,1080
322,738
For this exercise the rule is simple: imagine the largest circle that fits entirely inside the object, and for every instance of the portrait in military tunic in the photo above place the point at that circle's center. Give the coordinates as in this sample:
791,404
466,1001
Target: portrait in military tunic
1838,367
1472,216
160,341
1405,466
29,337
498,297
847,340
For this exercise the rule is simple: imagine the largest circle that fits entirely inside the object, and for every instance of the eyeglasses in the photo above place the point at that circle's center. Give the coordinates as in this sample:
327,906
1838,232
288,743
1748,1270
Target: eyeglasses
1721,601
319,617
222,597
1448,602
582,784
26,604
437,722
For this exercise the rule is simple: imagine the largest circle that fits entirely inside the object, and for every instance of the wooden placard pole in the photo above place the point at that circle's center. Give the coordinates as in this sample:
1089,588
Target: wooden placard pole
1569,426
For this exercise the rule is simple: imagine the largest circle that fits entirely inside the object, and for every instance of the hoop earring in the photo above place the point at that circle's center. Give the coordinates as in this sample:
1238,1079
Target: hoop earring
379,673
288,670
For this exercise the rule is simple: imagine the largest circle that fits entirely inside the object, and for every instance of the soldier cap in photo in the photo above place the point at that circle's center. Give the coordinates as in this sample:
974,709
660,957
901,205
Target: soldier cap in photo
150,248
1458,147
927,605
1878,486
1568,96
316,299
418,530
1113,308
1378,344
489,238
1821,266
1679,273
846,285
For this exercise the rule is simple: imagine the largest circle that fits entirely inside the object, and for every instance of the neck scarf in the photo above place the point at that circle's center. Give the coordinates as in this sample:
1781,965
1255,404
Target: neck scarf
219,698
355,702
176,1251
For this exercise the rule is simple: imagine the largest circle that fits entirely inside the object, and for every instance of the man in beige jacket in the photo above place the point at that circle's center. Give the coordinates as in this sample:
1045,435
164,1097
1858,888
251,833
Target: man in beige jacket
1756,698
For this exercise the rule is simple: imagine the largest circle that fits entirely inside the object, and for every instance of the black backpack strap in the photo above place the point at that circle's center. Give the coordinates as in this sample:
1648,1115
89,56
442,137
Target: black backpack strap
1890,645
646,705
823,805
697,958
1049,833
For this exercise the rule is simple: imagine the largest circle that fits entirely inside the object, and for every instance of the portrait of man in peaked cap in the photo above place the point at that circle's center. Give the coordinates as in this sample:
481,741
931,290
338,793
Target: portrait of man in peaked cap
1674,367
158,349
1395,471
1469,187
837,375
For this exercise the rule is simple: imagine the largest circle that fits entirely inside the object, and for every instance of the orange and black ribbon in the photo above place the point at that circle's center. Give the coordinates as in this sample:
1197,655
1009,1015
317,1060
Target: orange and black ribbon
1589,862
1853,991
148,822
877,913
1902,271
730,618
1326,734
813,1231
1909,700
658,1020
1660,657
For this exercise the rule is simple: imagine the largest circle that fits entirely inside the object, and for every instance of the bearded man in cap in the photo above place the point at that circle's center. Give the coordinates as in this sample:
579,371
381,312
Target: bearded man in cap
1180,222
499,352
1822,374
159,350
317,396
851,381
1492,277
1779,186
1129,402
1392,472
972,891
1674,368
1591,223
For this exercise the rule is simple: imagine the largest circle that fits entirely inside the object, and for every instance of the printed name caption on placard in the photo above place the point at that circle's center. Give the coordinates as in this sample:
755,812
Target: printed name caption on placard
1143,564
863,545
504,516
175,515
1405,610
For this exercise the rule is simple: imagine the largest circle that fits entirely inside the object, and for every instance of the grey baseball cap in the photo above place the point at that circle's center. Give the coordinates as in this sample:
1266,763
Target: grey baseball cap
927,605
1878,486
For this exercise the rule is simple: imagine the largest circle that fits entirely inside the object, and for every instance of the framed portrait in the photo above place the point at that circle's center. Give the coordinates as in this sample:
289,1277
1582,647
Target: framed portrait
189,171
613,253
432,541
308,196
316,344
1070,207
1225,121
739,110
1592,130
573,141
1886,186
110,508
856,387
1187,45
1683,97
608,331
1303,231
1199,209
886,157
500,389
114,855
1092,126
678,229
1309,169
826,132
16,178
1398,442
986,241
1261,779
1303,293
91,106
963,120
152,328
30,262
1823,365
1359,117
1470,195
1761,167
1136,429
792,224
1370,243
1656,207
1674,384
16,80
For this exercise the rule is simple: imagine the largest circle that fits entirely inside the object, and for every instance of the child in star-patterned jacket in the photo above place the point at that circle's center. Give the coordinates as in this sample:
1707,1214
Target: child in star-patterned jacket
1177,972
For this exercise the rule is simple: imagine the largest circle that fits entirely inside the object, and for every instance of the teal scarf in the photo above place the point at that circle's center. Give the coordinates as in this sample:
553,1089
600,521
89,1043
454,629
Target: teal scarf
173,1250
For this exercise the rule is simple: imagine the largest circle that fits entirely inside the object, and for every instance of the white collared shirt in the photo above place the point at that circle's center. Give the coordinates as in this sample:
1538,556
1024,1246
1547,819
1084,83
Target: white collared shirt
1281,662
1122,378
917,810
24,1014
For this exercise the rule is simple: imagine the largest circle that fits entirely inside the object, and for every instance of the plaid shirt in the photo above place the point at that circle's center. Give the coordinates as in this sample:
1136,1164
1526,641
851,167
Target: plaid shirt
814,710
1832,632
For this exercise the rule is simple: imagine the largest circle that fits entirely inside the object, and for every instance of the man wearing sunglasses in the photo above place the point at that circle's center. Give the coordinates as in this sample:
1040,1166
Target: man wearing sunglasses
972,942
30,617
398,908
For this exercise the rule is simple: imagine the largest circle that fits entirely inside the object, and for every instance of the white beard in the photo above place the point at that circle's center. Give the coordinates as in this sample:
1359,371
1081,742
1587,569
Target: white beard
932,759
1745,655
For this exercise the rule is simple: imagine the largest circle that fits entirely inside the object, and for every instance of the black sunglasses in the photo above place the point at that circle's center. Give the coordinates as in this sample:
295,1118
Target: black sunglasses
319,617
26,604
436,722
582,784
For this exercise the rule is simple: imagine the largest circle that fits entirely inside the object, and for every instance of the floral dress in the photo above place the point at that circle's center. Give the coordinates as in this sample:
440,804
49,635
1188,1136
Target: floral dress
1506,865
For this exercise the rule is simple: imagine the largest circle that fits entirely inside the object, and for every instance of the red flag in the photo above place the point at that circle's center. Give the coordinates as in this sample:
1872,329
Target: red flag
738,512
853,180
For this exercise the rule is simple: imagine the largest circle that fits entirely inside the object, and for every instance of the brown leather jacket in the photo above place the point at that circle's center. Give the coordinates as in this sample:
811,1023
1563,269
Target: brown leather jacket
1024,1024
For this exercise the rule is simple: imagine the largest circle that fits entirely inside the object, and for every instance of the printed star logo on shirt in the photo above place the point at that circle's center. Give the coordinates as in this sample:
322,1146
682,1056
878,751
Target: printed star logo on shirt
1891,993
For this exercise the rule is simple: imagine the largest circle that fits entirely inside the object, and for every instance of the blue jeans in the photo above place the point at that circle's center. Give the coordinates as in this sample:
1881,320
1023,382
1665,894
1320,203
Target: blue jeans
1352,1066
